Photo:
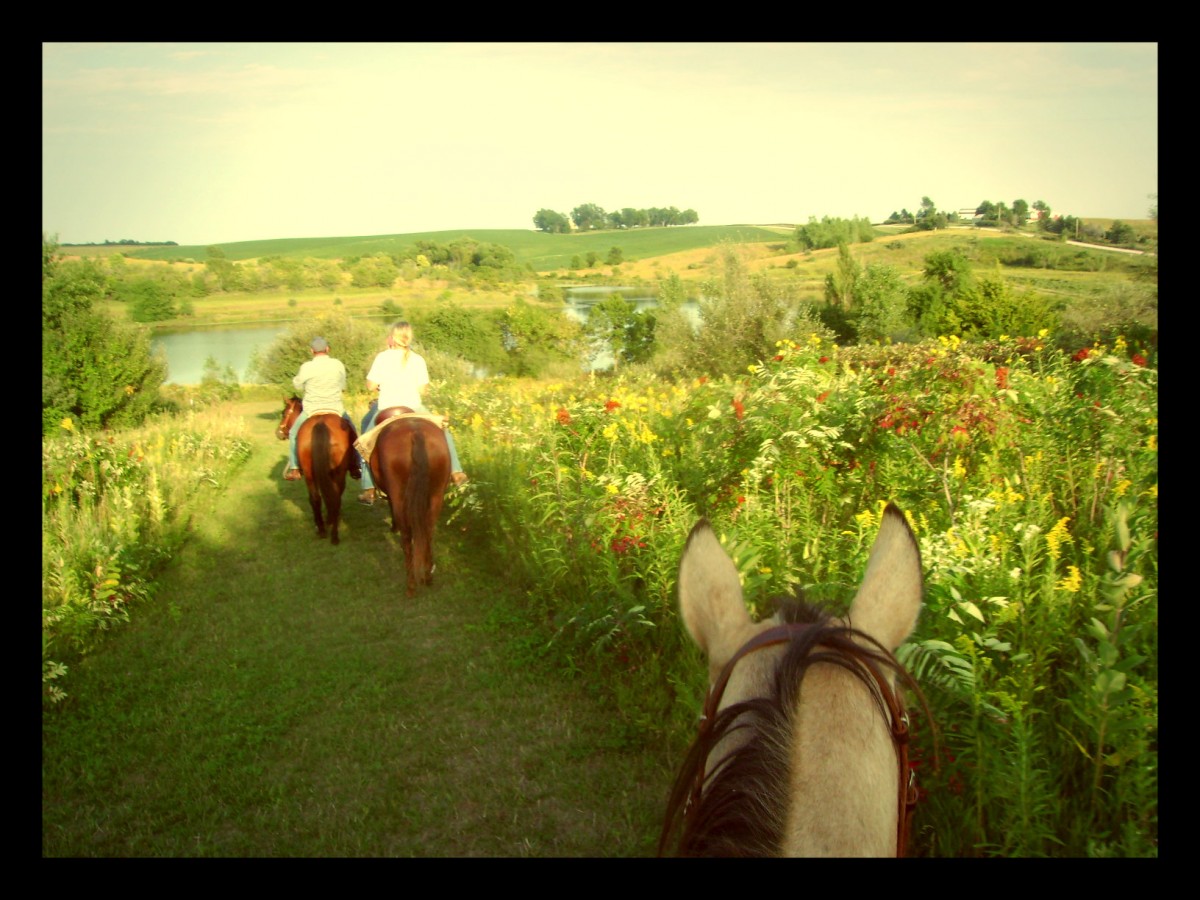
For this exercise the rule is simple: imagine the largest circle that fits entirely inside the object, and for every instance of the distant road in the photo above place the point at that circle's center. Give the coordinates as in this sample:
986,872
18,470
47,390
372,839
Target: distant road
1103,247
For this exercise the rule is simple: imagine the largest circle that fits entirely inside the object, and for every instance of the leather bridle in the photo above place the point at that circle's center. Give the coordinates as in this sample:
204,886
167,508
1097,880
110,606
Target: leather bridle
889,698
284,427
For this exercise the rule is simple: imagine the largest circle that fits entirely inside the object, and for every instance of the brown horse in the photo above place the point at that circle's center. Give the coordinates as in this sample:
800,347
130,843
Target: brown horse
325,450
411,465
802,749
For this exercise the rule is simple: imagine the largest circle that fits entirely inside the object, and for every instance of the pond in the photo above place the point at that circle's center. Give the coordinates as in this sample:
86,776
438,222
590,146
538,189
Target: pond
235,345
229,345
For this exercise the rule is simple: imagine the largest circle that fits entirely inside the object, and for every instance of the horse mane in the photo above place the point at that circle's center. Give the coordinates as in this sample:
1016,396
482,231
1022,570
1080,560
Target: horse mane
743,807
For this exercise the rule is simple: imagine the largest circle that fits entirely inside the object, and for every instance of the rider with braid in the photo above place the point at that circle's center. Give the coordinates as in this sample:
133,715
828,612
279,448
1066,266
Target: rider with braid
400,375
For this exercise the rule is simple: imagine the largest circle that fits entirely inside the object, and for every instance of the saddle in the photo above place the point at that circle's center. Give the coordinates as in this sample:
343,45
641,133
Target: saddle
366,442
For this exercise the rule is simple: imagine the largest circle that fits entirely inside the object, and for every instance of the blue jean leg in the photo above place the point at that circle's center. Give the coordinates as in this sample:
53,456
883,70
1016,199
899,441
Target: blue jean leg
368,420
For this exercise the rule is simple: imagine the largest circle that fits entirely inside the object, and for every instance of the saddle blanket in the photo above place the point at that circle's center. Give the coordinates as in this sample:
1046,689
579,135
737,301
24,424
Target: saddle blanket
366,444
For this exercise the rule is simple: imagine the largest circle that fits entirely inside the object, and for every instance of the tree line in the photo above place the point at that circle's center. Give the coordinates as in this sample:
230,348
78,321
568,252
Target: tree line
989,214
590,217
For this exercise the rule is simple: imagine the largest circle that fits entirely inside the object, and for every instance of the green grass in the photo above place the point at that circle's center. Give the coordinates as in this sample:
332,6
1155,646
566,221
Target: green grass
542,251
280,697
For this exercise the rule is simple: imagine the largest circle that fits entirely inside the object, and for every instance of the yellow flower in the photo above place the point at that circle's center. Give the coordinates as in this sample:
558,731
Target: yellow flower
67,424
612,488
1152,443
1058,536
1122,487
1071,582
866,520
960,471
129,389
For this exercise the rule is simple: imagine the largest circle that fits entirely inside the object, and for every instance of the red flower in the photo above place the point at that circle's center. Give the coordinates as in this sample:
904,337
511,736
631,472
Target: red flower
1002,378
891,370
821,397
1081,355
823,359
1139,360
777,358
741,500
564,417
738,409
611,405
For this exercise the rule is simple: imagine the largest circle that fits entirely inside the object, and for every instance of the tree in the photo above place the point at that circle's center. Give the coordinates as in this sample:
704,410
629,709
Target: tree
1020,211
608,325
615,257
551,222
880,300
1043,212
96,371
1120,233
839,285
949,269
588,217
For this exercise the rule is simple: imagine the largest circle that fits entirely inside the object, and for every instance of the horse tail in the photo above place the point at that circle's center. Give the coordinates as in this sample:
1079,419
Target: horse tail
320,463
416,494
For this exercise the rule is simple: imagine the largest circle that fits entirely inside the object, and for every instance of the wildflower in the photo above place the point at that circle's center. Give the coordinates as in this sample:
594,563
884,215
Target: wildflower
1058,536
1081,355
1152,443
612,488
960,470
1071,582
891,370
777,358
611,405
823,359
738,409
129,389
564,417
1002,378
821,397
67,424
1139,360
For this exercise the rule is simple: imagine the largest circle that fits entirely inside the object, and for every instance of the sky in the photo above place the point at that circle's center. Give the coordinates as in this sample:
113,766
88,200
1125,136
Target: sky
212,143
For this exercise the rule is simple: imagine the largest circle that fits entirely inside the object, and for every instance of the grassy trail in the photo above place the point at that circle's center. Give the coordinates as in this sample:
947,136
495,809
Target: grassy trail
281,697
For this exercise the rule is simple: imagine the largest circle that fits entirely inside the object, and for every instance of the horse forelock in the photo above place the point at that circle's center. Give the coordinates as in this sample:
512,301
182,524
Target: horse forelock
745,807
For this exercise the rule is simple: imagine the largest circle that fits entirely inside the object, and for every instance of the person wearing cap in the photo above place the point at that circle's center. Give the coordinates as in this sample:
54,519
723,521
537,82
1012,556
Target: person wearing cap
319,383
401,376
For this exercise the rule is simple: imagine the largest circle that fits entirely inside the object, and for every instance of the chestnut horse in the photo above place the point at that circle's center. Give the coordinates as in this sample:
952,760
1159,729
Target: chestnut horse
325,451
802,748
411,465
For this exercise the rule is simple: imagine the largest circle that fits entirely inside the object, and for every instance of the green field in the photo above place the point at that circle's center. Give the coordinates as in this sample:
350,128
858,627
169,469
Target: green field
542,251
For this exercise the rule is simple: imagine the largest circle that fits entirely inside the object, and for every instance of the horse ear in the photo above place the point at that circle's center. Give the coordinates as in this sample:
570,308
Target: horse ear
889,598
710,592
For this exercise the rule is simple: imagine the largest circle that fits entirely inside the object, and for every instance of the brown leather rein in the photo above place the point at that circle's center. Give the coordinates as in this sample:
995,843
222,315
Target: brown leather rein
781,634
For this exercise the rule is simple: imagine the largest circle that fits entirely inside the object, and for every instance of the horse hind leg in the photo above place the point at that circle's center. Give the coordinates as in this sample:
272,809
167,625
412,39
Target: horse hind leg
314,500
